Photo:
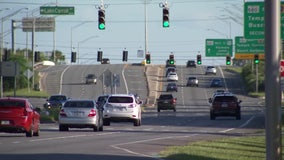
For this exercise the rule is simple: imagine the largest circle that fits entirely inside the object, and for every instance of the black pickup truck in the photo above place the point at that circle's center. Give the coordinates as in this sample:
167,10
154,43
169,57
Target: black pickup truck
166,102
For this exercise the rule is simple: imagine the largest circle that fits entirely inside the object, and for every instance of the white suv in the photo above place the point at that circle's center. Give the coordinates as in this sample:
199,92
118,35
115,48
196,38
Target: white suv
211,70
122,107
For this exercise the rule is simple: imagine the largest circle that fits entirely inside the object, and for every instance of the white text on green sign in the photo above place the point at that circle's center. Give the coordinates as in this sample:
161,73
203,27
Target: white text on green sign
56,10
219,47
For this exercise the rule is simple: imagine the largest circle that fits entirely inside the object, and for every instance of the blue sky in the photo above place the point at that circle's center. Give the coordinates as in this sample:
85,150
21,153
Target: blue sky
191,22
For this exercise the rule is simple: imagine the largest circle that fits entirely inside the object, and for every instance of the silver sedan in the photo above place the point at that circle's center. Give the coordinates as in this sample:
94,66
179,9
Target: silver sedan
80,114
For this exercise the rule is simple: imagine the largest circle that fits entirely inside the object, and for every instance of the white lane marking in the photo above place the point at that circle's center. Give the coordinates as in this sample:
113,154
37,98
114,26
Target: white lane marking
116,146
241,126
182,88
55,138
226,87
124,79
72,137
61,79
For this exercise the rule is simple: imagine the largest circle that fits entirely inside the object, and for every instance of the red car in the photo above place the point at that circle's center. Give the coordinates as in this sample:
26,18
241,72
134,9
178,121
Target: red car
17,115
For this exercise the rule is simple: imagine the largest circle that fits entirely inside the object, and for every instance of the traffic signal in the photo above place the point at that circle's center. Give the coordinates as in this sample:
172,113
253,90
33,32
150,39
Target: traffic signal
148,58
256,59
101,20
228,60
124,56
73,57
99,56
172,59
37,56
199,62
166,20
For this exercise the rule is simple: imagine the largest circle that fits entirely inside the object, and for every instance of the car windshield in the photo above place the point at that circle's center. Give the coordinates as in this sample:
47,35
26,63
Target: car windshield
171,84
79,104
119,99
225,99
102,99
10,103
166,96
90,76
57,98
216,80
192,78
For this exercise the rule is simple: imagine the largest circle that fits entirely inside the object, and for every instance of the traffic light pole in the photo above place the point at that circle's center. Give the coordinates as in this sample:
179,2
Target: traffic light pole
256,78
146,28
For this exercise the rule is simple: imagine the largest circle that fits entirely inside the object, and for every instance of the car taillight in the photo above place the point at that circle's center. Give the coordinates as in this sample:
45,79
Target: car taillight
92,113
62,113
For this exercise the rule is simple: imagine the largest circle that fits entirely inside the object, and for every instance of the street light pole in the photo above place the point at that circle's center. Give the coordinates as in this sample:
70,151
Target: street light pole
3,19
83,42
223,34
73,27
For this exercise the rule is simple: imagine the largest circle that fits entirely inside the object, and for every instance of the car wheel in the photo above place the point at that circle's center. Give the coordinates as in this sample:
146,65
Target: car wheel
212,116
106,122
96,128
101,125
63,127
37,132
136,122
30,132
238,117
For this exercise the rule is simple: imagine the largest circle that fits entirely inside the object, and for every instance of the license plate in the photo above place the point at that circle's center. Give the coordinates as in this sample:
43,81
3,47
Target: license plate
5,122
225,105
119,109
78,114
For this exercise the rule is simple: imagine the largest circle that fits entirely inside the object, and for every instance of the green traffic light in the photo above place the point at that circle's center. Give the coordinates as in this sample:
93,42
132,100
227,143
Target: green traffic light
101,26
228,63
166,24
148,62
256,61
199,62
172,62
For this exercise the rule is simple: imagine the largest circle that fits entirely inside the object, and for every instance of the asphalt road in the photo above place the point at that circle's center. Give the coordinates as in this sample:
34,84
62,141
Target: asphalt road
190,123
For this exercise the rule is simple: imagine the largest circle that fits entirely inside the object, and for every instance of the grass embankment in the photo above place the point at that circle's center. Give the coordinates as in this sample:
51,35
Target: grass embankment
237,148
26,93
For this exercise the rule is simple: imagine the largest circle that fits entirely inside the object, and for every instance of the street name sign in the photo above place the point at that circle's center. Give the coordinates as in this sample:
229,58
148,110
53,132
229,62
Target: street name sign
57,10
247,48
219,47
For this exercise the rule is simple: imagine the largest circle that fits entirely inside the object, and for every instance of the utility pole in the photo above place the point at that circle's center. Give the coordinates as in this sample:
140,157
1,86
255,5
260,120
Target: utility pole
272,80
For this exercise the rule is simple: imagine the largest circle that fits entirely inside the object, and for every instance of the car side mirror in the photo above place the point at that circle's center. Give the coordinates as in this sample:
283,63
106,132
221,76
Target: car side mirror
37,109
210,100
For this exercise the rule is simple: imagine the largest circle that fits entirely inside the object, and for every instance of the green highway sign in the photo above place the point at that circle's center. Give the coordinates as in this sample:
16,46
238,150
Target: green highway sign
254,20
219,47
246,48
56,10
